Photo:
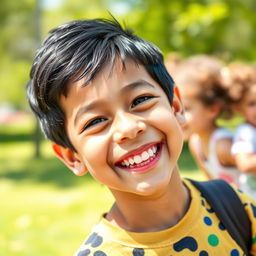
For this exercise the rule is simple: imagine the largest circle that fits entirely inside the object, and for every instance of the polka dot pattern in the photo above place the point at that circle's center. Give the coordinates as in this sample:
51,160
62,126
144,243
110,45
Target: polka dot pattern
213,240
221,226
234,253
99,253
187,242
208,239
203,253
138,252
84,253
210,210
94,240
207,221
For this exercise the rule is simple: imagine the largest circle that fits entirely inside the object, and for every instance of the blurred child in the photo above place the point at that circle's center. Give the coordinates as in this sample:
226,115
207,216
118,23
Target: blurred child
242,80
105,99
205,100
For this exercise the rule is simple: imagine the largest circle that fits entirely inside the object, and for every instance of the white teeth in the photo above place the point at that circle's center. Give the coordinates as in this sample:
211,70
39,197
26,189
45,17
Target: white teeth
145,156
131,161
140,160
137,159
150,152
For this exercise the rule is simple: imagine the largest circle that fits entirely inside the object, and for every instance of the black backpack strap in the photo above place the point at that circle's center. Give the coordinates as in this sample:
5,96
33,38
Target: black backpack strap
229,209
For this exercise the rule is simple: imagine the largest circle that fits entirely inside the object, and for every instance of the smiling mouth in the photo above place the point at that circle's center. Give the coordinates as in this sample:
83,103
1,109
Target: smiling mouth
143,160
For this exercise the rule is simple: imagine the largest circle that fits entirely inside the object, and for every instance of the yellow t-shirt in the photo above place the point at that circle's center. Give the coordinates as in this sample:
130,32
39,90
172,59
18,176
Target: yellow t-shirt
200,233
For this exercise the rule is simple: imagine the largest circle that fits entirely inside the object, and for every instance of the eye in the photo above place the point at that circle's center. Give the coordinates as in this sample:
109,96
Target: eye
251,103
94,122
141,100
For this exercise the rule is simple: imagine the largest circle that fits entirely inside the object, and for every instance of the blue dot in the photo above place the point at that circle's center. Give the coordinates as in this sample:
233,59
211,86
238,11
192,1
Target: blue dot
207,221
84,252
99,253
203,253
202,202
91,238
234,252
97,241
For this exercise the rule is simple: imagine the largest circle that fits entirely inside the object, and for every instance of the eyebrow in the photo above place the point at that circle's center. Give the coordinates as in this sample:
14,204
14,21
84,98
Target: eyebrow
96,104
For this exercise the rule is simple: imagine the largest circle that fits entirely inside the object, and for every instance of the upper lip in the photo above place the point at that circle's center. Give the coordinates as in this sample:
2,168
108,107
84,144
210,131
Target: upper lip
137,151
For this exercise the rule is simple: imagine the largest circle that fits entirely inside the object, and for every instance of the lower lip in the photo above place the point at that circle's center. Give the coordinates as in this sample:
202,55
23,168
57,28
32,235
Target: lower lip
145,167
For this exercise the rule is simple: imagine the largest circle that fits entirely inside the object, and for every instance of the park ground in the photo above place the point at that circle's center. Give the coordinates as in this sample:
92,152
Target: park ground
45,209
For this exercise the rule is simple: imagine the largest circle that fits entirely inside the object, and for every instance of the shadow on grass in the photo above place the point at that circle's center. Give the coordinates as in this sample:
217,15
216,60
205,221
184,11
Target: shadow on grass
19,137
45,170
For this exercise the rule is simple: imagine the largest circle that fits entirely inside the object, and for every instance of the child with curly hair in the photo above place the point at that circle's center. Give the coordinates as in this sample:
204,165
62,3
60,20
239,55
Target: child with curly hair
206,100
241,81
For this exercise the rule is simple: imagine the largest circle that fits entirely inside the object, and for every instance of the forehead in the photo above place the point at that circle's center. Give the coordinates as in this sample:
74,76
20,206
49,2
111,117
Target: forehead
250,93
108,81
190,90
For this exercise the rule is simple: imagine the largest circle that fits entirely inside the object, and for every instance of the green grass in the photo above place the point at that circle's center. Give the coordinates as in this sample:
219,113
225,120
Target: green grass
45,209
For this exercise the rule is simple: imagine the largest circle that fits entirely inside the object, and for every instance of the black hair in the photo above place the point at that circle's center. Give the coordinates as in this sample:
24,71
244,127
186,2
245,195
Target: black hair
80,49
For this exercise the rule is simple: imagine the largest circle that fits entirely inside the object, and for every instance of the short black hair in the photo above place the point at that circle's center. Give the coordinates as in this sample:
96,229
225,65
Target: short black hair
80,49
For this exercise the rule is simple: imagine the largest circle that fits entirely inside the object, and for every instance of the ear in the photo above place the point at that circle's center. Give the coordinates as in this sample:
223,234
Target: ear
70,159
178,107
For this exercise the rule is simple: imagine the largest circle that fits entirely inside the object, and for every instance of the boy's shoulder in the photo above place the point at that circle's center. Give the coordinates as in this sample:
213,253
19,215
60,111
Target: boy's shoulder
107,239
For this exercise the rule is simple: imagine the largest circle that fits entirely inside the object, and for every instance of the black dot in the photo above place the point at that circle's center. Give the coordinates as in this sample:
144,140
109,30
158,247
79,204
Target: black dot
187,242
221,226
99,253
138,252
84,252
203,253
210,210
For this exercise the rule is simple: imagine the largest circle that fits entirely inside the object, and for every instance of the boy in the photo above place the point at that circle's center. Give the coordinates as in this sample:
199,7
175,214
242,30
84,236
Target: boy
104,98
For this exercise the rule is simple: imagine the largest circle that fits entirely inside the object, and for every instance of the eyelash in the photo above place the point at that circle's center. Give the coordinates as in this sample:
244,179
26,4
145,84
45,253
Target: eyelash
94,122
98,120
141,100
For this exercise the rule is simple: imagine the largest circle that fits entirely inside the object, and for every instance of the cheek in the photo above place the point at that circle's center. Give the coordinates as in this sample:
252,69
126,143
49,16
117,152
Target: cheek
93,151
172,131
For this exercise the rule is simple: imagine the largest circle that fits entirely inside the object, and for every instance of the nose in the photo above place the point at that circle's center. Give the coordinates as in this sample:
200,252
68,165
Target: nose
127,126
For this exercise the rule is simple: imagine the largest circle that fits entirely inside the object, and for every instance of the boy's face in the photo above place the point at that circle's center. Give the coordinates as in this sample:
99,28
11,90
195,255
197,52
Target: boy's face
124,130
248,105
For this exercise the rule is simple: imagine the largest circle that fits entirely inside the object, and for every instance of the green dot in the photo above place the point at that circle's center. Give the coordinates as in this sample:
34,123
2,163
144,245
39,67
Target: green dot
254,240
213,240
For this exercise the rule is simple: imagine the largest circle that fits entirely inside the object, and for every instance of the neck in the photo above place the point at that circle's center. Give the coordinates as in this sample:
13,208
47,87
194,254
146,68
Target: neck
151,213
205,138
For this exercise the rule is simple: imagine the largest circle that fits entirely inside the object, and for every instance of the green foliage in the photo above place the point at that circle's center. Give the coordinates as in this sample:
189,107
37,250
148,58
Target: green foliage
224,28
192,27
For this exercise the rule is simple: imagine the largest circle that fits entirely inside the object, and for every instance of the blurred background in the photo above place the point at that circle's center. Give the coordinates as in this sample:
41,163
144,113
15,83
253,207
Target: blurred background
45,209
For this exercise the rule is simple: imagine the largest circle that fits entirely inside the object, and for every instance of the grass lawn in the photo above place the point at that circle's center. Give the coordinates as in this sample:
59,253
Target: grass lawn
45,209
